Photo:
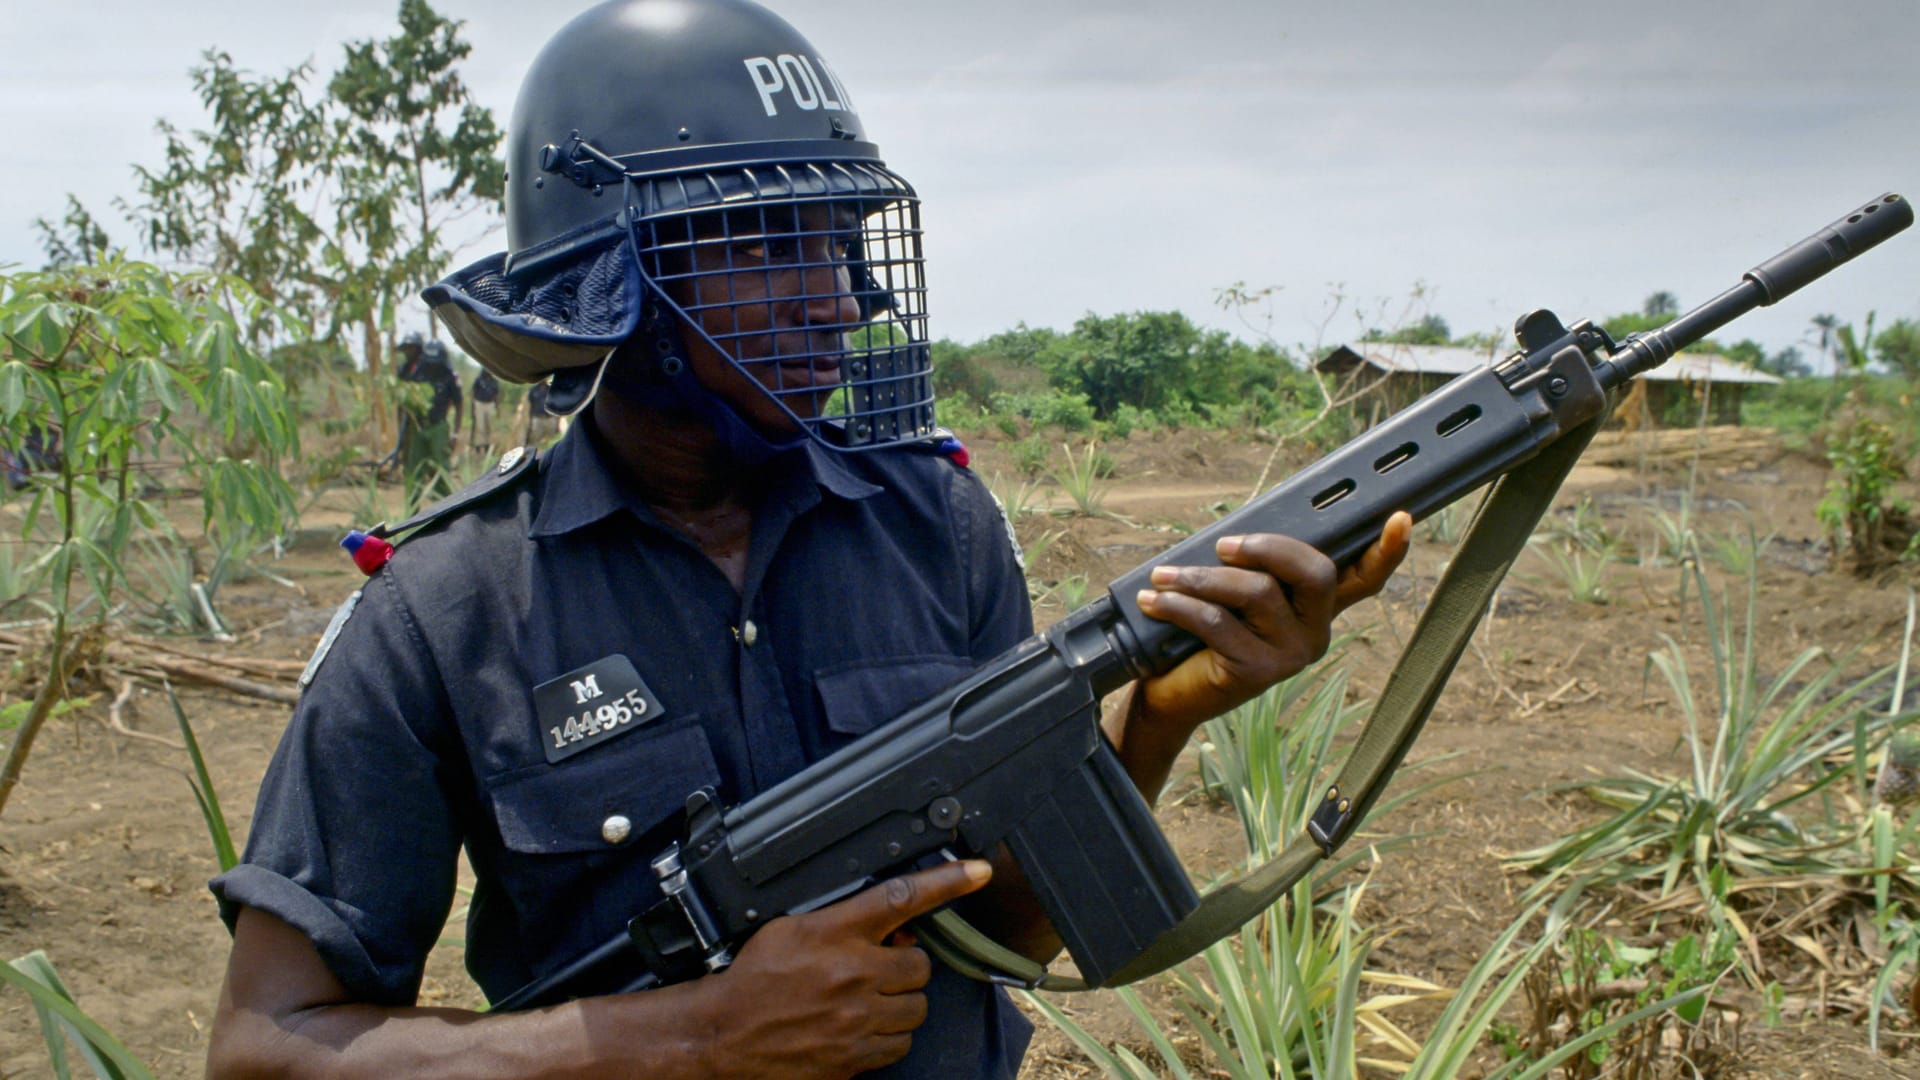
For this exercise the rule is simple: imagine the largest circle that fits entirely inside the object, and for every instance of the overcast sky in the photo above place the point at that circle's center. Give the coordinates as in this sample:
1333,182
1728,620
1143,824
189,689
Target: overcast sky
1080,156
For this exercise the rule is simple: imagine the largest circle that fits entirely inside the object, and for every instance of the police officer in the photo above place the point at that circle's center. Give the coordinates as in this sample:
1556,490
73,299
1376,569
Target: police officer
750,545
532,419
428,429
485,391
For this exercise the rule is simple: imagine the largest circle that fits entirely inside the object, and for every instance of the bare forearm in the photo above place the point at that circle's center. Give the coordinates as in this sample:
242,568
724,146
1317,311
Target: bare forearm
655,1034
284,1014
1146,751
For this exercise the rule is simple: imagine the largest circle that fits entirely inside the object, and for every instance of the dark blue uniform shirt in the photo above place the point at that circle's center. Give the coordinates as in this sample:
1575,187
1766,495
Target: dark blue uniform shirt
873,580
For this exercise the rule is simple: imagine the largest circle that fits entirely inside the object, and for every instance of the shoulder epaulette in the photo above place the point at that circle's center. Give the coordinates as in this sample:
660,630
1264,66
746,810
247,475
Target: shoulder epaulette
371,549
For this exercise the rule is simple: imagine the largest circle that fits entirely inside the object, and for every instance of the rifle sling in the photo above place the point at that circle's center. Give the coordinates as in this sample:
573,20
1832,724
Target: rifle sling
1500,528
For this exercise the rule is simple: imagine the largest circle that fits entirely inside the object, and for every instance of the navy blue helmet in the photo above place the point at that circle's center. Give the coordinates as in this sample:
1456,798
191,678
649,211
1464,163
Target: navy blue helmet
687,167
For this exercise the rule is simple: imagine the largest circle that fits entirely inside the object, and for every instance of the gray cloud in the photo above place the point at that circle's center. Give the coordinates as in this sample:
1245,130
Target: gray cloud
1083,156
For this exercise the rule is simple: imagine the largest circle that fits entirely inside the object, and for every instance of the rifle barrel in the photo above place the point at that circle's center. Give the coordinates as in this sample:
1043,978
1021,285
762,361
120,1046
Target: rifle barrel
1764,285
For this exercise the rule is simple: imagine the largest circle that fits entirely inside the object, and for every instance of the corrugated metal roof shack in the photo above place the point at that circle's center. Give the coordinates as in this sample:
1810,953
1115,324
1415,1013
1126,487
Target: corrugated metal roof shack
1385,378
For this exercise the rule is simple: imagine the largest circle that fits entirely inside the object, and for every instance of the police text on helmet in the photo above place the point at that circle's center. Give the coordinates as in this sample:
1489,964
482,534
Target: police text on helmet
809,87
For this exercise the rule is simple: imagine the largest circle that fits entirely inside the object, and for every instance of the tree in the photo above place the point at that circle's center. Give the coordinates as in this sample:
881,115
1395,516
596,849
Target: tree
1747,352
1825,325
1430,330
239,198
1143,359
1633,322
335,207
1661,305
410,138
108,371
1852,352
77,240
1897,347
1787,363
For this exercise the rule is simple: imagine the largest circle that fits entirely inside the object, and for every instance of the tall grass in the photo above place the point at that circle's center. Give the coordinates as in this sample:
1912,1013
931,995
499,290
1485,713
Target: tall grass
1579,549
1673,537
203,794
61,1021
1736,551
1016,497
1281,997
1583,574
1085,478
1757,747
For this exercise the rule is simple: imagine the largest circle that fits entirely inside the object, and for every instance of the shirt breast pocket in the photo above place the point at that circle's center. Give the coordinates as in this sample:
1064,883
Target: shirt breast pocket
607,798
577,839
865,694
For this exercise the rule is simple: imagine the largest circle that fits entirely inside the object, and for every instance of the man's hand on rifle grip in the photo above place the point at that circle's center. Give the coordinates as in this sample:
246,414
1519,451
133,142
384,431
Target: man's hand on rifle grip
835,991
1264,615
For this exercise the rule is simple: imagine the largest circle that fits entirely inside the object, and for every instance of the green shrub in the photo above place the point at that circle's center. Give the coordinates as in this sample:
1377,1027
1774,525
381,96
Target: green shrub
1051,408
1030,455
1593,979
1859,505
1796,408
961,374
131,364
1083,478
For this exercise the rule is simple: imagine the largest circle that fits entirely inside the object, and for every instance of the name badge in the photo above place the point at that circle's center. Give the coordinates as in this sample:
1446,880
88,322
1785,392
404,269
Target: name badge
591,705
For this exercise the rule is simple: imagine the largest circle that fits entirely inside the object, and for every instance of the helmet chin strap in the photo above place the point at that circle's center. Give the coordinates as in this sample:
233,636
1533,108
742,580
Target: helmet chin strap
573,389
657,376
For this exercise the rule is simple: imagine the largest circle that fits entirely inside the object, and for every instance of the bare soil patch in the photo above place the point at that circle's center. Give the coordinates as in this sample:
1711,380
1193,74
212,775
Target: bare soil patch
105,858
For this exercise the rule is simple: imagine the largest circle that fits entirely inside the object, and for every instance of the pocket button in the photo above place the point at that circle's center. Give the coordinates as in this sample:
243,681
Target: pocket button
616,829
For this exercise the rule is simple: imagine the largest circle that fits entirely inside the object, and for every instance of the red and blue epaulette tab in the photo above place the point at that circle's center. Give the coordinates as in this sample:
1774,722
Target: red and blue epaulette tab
946,444
372,549
369,553
956,450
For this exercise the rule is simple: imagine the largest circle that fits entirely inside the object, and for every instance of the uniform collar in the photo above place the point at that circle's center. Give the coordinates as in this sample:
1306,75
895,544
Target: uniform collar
581,487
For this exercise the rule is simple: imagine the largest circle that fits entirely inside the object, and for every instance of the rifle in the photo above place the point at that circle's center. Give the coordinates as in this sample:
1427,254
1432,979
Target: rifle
1013,753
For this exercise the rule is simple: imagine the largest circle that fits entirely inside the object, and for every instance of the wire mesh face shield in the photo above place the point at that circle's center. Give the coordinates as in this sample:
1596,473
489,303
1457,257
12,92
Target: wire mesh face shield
799,293
795,291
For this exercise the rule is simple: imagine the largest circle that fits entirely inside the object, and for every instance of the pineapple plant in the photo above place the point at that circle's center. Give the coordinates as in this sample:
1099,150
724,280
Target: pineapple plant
1899,778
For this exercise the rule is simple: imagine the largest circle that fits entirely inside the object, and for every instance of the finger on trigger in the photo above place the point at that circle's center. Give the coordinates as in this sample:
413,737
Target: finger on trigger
895,902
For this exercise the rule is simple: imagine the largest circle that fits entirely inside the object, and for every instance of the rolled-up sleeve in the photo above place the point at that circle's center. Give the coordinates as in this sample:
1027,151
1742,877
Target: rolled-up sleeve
355,834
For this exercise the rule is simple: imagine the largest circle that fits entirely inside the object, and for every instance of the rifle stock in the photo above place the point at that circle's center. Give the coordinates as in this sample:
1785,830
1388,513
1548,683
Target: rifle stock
1013,753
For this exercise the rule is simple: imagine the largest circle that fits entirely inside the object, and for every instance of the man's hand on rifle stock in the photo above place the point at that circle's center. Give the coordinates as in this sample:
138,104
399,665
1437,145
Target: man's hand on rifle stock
1264,615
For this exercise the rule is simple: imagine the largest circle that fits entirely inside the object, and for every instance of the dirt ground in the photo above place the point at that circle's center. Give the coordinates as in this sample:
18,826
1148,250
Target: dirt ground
105,858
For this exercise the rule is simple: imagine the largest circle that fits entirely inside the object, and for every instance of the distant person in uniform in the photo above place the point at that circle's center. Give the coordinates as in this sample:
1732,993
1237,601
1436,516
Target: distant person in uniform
485,391
539,425
38,451
428,431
